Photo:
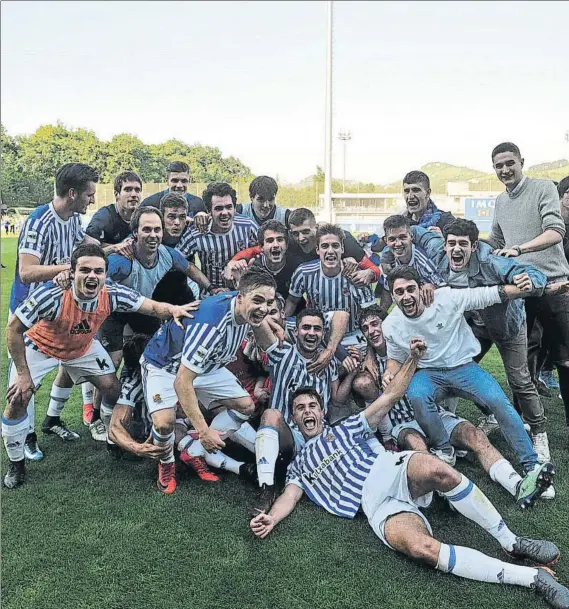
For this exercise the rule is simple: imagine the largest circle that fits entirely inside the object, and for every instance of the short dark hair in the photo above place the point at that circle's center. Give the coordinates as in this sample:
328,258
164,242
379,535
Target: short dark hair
126,176
563,186
369,312
311,391
274,225
462,228
309,312
417,177
178,167
256,277
330,229
403,272
396,221
133,349
264,187
76,176
173,200
300,215
506,147
218,189
146,209
89,249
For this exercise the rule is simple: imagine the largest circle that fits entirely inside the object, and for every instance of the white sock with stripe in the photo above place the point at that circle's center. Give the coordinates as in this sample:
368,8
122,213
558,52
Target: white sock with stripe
166,440
505,475
222,461
14,432
32,414
245,436
267,450
87,390
471,502
57,399
227,421
471,564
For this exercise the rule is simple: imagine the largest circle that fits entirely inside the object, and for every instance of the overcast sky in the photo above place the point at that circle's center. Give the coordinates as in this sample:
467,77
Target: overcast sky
414,81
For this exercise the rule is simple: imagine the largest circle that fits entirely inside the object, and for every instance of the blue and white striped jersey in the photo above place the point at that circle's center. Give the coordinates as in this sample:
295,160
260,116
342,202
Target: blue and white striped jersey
330,293
132,395
287,368
217,249
402,412
135,275
424,266
47,237
208,342
332,468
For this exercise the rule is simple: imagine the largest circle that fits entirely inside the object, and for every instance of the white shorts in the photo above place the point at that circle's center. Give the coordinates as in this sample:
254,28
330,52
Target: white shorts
386,492
449,419
159,390
96,362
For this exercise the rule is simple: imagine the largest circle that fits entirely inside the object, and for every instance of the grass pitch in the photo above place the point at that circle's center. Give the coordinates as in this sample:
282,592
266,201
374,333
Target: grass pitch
86,532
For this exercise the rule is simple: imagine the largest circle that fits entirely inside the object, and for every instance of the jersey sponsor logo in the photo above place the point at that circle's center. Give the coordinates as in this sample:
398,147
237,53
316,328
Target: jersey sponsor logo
32,236
102,363
31,303
324,464
200,355
82,327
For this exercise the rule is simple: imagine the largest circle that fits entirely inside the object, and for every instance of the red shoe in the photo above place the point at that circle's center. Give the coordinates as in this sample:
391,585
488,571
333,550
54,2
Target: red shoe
167,478
87,414
199,465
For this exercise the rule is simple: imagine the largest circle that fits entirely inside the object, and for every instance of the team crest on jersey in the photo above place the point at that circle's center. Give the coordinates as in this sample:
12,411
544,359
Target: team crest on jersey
345,290
157,398
330,437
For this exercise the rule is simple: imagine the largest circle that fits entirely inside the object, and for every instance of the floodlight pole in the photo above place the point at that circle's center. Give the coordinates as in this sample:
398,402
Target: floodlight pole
344,136
327,212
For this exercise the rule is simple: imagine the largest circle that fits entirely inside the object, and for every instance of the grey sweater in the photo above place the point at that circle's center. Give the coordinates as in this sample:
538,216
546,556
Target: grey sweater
524,214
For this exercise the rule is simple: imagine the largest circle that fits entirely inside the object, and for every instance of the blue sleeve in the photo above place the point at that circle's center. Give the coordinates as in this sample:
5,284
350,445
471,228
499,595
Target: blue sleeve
98,224
119,267
507,268
432,243
179,263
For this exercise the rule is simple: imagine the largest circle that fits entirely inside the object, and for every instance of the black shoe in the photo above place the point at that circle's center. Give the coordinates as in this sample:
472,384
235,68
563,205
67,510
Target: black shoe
542,389
32,451
537,551
265,499
59,428
550,589
16,475
248,471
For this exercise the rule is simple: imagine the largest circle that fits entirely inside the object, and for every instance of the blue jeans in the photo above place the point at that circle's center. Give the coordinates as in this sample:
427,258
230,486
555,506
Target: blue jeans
470,381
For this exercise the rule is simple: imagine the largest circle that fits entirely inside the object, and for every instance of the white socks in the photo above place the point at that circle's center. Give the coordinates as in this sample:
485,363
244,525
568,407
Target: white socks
228,421
87,390
472,564
57,399
245,436
505,475
219,459
14,432
161,440
267,452
471,502
32,413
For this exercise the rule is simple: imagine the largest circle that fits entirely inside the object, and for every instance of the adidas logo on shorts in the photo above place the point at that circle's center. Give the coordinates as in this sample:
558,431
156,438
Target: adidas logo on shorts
82,327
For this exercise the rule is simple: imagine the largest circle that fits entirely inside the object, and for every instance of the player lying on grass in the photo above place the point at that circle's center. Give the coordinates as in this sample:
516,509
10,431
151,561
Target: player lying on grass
288,367
400,426
198,353
54,327
448,368
339,471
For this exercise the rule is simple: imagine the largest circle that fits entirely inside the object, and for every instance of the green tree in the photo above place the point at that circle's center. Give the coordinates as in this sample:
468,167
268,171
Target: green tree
126,152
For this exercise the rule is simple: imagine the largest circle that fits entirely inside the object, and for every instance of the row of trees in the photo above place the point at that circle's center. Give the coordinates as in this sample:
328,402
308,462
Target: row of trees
29,162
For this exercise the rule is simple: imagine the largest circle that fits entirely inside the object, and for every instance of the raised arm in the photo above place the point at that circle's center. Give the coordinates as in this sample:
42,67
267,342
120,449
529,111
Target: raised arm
263,523
247,254
164,310
397,387
32,271
264,335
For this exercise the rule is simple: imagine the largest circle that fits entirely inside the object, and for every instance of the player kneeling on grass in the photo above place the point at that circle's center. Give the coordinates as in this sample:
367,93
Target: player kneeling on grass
54,327
401,426
341,473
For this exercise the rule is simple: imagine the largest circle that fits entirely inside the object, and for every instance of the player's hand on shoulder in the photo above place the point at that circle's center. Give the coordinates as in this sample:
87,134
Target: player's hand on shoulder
124,248
561,287
180,311
63,279
506,252
215,291
318,364
428,293
262,525
362,278
201,221
349,266
436,229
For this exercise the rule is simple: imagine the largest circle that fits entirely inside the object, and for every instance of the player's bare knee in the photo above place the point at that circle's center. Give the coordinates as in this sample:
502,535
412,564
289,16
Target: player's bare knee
469,436
272,418
245,406
109,388
444,477
365,386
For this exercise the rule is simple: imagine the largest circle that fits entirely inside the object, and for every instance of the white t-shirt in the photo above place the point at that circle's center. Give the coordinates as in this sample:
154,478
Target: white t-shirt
450,341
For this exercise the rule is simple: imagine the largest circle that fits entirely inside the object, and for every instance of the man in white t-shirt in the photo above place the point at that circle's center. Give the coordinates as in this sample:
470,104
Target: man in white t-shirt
448,368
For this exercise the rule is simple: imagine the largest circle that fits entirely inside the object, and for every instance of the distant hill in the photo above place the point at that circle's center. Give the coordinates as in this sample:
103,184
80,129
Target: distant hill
442,173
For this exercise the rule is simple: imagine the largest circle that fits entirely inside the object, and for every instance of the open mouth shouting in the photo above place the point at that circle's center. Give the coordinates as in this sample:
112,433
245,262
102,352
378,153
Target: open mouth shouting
409,307
276,254
91,286
456,261
152,244
309,423
256,318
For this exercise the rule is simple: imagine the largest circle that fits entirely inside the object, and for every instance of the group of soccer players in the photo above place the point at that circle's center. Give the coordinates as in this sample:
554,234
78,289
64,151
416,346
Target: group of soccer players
275,342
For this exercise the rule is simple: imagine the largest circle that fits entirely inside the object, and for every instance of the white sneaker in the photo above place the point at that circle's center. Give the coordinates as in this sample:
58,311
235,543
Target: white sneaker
98,431
488,424
541,446
445,456
460,454
549,493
